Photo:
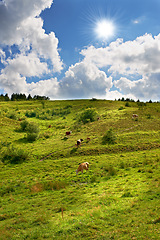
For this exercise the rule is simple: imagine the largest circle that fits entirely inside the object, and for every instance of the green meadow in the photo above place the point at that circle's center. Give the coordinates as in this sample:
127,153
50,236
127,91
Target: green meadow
41,197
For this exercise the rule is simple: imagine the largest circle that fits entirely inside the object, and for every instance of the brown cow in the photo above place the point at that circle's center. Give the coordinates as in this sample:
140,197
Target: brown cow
79,142
134,116
82,166
68,133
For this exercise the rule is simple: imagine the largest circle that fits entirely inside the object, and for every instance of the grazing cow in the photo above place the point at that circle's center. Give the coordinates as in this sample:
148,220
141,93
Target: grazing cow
68,133
88,139
79,142
134,116
82,166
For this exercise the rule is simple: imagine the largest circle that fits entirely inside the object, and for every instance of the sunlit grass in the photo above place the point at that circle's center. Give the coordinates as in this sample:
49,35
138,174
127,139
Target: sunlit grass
117,198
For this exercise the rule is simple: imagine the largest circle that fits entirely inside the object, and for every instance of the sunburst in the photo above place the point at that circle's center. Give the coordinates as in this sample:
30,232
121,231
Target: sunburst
104,29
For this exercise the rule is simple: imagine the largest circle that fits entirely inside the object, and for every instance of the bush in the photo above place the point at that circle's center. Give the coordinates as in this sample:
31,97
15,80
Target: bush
127,104
31,114
12,115
32,131
87,115
24,125
14,155
109,137
110,170
121,108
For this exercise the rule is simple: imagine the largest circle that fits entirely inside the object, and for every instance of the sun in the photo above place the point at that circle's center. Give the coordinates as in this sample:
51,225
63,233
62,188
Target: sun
104,29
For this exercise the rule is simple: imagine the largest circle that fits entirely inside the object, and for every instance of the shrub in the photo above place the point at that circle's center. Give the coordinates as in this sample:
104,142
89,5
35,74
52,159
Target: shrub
32,131
122,165
32,136
121,108
109,137
73,150
46,135
24,125
68,106
87,115
12,115
110,170
30,114
14,155
127,104
32,127
149,116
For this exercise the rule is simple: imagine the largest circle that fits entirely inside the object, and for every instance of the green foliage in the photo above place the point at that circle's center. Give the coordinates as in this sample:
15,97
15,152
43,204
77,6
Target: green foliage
73,150
127,194
109,137
31,114
43,103
14,155
45,135
32,130
88,115
141,105
12,115
121,108
149,116
24,125
127,104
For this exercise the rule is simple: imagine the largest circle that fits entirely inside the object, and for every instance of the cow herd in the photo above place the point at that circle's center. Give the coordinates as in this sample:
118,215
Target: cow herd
85,165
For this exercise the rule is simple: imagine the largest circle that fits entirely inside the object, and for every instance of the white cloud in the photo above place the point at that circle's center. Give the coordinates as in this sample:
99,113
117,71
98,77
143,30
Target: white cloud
112,95
14,13
48,87
37,52
129,59
2,55
138,56
26,65
146,88
84,80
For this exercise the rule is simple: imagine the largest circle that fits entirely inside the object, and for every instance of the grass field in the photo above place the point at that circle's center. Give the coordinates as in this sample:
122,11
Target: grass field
41,197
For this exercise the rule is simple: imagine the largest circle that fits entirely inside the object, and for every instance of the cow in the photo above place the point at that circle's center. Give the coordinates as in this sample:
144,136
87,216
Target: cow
134,116
79,142
82,166
88,139
68,133
49,126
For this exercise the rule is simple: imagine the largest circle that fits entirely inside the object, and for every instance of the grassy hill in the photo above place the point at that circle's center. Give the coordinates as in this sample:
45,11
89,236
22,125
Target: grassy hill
41,197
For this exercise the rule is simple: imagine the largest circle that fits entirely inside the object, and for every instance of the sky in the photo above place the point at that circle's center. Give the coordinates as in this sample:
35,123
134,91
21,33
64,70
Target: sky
80,49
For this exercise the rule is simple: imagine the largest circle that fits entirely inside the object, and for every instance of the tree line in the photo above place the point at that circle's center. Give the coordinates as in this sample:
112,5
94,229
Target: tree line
21,96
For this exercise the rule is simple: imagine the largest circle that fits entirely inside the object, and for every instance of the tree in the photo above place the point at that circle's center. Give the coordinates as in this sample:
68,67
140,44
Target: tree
29,97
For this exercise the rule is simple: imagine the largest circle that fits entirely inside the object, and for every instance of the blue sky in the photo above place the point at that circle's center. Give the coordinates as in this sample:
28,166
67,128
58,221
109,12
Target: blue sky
68,49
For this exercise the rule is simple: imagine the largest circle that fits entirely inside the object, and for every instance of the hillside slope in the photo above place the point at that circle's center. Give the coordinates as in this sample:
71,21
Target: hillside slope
41,195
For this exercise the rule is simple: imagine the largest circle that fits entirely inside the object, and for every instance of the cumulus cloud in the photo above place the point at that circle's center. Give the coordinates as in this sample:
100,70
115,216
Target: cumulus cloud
37,52
85,80
138,58
13,14
146,88
48,87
